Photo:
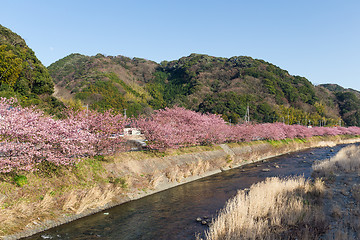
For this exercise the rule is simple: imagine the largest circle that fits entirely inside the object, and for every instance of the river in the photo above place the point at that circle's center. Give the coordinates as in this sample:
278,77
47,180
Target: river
171,214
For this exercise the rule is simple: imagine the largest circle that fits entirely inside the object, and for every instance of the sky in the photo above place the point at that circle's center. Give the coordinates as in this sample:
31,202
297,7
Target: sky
317,39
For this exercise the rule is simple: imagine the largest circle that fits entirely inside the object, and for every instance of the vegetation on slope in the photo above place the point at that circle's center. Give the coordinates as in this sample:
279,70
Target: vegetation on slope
105,82
198,82
22,75
228,86
348,101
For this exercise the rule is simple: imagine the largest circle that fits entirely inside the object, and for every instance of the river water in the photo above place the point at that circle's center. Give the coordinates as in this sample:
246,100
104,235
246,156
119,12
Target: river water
171,214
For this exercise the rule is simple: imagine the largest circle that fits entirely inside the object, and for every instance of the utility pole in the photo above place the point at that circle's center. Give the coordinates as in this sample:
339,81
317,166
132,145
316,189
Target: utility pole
247,115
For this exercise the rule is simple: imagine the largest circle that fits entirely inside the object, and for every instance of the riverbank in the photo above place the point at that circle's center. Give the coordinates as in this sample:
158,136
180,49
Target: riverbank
325,207
95,185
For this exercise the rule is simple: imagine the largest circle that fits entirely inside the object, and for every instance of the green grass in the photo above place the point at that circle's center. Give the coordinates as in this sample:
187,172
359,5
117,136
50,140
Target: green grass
119,181
20,180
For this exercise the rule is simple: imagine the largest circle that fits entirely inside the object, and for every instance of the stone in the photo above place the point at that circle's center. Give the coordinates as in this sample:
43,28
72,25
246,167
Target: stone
198,219
204,222
266,170
277,166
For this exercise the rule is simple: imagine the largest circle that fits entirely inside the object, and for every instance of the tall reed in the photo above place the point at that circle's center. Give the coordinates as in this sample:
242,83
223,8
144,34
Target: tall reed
273,209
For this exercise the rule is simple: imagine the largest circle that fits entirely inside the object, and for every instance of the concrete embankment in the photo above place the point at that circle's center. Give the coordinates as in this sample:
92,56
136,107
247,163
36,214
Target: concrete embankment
72,194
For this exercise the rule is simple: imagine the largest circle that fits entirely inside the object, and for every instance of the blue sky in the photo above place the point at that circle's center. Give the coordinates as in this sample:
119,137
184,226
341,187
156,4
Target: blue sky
319,40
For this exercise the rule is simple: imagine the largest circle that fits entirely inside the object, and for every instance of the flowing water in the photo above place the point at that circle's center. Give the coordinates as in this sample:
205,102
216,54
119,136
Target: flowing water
171,214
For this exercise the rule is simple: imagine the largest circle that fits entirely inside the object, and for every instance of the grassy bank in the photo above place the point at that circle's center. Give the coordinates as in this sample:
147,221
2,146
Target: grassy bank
31,202
325,208
273,209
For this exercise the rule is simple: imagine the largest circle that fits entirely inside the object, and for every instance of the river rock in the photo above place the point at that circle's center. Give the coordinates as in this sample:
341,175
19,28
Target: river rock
276,166
331,150
266,170
198,219
204,222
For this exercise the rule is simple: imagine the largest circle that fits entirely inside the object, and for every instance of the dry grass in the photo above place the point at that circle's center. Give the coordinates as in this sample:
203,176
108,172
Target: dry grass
51,194
346,160
342,205
273,209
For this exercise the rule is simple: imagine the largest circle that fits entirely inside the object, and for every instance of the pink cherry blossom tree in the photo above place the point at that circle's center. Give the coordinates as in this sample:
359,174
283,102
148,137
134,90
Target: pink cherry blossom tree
28,137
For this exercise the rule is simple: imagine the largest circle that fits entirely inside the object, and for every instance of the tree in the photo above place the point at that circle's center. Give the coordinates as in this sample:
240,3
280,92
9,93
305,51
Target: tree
10,66
28,137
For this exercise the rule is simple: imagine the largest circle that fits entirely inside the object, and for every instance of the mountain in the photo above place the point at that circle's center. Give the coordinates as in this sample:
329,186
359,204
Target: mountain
233,87
22,75
227,86
348,101
104,82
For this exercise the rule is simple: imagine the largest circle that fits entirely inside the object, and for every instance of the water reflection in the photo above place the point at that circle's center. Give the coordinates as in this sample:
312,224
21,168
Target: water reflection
171,214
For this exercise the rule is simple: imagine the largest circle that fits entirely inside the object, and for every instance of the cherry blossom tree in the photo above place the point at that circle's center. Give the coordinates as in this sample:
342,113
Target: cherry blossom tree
28,137
178,127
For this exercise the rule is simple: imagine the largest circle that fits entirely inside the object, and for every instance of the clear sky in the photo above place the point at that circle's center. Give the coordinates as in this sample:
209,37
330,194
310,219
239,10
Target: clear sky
317,39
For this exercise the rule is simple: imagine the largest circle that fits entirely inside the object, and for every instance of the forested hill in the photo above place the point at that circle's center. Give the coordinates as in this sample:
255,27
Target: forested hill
199,82
22,75
348,101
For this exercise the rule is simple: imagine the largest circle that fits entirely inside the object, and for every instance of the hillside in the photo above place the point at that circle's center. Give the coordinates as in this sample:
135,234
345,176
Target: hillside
227,86
22,74
104,82
348,101
199,82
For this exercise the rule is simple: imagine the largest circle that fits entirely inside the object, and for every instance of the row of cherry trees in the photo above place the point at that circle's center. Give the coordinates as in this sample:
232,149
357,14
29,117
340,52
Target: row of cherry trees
179,127
28,137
